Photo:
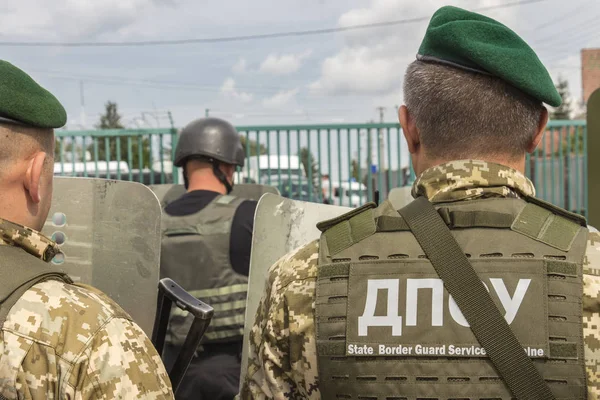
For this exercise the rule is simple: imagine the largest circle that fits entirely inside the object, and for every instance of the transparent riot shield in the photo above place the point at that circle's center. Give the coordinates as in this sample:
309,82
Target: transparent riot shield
252,191
281,225
166,193
109,234
400,197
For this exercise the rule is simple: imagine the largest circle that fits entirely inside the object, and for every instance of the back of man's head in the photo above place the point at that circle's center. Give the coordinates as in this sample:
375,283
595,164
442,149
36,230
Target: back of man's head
28,115
462,114
26,172
476,91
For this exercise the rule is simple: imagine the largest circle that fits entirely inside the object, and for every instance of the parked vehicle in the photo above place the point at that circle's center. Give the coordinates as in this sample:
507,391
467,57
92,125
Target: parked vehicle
350,194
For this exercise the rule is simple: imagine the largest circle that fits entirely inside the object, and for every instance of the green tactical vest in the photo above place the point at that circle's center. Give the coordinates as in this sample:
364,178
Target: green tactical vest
388,330
20,271
195,254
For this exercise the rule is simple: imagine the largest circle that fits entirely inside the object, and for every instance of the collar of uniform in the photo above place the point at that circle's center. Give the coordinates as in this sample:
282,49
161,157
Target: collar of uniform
28,239
471,179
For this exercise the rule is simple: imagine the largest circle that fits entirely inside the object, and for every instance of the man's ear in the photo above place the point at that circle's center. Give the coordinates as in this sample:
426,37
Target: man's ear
540,131
33,176
409,129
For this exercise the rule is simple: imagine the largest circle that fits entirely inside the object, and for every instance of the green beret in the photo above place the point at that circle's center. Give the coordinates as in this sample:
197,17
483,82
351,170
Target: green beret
471,41
24,102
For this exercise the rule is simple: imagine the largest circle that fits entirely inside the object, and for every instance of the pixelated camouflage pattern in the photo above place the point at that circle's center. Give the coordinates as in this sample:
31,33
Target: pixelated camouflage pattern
63,341
591,313
28,239
471,179
283,356
282,361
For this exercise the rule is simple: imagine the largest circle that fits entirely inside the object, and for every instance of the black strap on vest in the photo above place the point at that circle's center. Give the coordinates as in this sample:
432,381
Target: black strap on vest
487,323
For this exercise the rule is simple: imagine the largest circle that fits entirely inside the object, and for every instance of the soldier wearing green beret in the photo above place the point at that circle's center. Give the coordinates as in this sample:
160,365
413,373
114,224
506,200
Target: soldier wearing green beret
59,340
476,289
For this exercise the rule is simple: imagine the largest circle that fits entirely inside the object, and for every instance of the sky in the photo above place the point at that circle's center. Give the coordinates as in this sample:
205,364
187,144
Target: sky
337,77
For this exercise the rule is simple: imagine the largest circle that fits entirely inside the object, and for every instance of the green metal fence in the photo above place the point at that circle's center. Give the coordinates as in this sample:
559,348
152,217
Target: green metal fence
342,164
141,155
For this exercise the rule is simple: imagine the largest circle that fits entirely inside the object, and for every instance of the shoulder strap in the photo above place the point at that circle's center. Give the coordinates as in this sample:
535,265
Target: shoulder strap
461,281
20,271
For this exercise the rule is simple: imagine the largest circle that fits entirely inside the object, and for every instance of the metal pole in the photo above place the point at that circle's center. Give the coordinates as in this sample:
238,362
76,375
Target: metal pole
82,98
381,159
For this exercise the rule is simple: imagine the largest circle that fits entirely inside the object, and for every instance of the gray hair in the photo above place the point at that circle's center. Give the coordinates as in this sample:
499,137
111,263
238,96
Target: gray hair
462,114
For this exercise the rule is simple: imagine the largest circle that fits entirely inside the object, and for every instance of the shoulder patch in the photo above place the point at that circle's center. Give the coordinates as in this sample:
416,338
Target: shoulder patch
324,225
579,219
226,199
348,229
548,224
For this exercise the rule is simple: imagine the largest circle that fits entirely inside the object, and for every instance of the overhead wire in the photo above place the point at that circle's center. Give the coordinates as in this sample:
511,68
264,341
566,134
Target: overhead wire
252,36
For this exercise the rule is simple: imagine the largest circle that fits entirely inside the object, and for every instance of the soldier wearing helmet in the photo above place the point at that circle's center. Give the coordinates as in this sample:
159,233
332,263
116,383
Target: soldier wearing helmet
207,235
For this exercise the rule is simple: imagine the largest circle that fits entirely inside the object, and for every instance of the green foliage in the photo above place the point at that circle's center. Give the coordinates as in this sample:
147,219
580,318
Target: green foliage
310,164
56,149
355,170
565,110
567,140
111,119
255,148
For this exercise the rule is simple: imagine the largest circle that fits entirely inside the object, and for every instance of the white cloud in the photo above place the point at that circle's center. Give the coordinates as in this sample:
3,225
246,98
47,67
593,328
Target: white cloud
280,99
71,19
284,64
360,70
240,66
229,90
373,61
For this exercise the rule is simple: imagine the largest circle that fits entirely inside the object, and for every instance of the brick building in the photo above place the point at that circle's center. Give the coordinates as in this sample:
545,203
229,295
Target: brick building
590,72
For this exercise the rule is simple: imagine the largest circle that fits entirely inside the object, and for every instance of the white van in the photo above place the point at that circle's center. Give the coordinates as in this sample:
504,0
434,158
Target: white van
259,168
348,194
90,167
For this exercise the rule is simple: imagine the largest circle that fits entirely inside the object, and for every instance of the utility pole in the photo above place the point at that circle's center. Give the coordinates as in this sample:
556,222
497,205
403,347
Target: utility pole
381,156
82,100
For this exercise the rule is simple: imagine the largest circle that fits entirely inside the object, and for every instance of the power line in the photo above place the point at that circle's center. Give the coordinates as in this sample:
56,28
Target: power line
251,37
119,80
562,18
582,28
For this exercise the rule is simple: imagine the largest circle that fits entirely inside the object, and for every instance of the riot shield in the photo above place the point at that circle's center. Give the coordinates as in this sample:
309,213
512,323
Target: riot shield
253,191
109,234
281,225
400,197
166,193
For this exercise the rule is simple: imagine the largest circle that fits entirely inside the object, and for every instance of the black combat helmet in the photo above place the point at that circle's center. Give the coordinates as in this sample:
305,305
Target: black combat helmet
211,138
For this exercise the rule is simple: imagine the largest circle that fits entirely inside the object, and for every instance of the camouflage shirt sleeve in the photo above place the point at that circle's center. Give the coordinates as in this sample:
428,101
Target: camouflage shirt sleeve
591,313
69,342
282,362
120,361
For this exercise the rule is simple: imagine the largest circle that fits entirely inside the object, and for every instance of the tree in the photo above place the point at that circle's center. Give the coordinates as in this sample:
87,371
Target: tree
56,149
255,148
565,110
355,170
67,150
310,165
111,119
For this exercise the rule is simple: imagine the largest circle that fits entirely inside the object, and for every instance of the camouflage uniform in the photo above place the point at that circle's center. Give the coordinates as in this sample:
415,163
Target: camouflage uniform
63,341
282,361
